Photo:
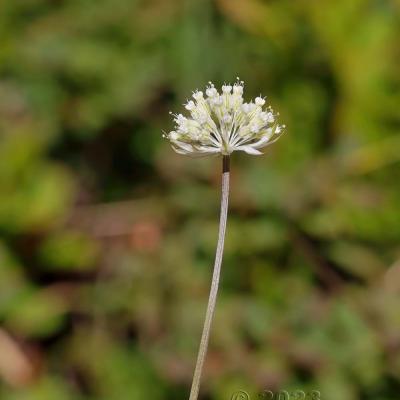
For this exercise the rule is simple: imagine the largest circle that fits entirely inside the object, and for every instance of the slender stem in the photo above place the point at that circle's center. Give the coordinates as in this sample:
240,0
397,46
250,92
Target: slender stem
194,392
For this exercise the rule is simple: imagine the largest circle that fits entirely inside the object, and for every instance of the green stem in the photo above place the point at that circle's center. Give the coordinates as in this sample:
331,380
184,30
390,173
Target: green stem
194,392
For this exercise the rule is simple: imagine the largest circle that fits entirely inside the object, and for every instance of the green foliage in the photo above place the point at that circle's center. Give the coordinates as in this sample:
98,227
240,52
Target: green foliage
108,236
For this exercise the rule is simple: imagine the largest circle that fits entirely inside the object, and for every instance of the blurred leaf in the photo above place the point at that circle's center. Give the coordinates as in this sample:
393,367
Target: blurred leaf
36,314
69,250
357,260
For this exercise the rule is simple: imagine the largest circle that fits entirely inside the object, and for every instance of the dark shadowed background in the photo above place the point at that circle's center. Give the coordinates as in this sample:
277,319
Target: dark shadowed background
108,237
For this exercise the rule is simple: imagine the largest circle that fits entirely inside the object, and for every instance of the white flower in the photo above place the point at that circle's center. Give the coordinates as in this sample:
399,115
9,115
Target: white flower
222,123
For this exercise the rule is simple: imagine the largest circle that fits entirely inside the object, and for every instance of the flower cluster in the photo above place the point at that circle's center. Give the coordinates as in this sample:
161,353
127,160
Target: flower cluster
220,123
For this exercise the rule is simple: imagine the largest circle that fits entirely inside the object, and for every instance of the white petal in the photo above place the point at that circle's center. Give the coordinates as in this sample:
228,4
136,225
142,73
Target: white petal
249,150
269,142
180,151
262,142
183,146
266,140
208,149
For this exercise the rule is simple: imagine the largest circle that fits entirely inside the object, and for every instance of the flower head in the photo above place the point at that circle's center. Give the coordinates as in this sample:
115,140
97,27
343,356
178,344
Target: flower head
220,123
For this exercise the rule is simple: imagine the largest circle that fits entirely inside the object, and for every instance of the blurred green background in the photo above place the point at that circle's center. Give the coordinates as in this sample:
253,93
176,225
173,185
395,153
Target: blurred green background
108,236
